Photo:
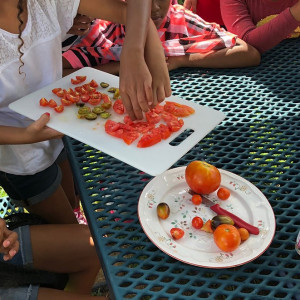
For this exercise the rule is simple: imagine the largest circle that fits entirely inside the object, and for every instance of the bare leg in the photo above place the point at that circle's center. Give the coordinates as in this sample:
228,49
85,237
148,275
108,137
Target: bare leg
66,249
67,183
56,209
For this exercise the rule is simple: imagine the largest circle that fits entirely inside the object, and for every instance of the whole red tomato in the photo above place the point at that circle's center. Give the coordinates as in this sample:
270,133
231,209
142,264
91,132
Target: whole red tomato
202,177
227,237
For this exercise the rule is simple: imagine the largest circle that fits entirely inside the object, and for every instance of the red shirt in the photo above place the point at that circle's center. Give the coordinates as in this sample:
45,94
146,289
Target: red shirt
210,11
241,16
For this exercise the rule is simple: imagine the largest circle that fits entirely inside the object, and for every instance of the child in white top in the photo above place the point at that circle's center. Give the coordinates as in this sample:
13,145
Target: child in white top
30,59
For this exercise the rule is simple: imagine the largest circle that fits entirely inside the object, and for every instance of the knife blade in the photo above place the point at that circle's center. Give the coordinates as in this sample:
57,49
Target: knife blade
221,211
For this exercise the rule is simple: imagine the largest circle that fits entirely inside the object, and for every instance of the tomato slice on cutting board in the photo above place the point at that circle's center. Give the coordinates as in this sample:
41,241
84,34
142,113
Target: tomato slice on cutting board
149,139
177,109
118,107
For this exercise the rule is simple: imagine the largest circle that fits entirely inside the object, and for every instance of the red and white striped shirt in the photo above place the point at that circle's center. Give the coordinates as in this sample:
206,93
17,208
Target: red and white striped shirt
181,32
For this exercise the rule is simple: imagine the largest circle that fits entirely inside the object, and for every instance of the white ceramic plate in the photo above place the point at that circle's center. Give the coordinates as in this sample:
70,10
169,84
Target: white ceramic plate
197,247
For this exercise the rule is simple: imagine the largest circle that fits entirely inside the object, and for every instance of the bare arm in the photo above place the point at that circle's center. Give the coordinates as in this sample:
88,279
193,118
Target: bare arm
132,63
238,20
241,55
142,77
191,5
36,132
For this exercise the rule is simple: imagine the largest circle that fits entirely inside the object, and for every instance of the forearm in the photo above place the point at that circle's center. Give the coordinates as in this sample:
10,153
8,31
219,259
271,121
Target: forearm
238,56
110,10
295,11
137,26
238,20
272,33
12,135
153,43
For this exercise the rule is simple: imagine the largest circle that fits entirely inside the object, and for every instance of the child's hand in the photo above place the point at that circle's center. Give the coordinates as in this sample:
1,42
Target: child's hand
173,62
135,85
9,244
38,131
81,25
160,77
156,62
191,5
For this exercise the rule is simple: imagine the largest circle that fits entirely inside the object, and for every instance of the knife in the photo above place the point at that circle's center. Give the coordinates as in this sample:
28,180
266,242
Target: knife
221,211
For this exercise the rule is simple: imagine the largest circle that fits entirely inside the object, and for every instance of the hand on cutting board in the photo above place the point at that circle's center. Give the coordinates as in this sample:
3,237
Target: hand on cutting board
38,130
34,133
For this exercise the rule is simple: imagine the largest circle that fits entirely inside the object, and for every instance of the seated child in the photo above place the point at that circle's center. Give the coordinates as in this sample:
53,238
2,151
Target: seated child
262,24
187,39
66,251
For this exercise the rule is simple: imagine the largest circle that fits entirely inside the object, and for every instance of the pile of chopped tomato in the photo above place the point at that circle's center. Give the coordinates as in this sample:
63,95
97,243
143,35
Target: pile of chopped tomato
159,123
151,131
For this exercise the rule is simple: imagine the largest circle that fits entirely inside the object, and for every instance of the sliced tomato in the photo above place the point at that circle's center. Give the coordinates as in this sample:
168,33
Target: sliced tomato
52,103
44,102
73,99
152,117
78,89
130,136
127,120
173,122
158,109
164,131
93,84
106,101
81,78
142,127
118,107
85,98
113,128
59,108
127,127
75,81
177,109
94,101
149,139
60,93
175,125
96,95
56,90
89,88
65,102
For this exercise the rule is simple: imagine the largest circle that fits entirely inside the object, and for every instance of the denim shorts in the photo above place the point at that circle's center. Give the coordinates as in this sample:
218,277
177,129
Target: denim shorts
23,257
28,190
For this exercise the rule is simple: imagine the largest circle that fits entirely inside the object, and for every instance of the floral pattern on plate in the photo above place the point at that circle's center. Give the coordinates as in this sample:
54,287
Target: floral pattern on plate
197,247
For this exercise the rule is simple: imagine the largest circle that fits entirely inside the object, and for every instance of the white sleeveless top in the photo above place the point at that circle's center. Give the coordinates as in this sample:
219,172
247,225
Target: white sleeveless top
47,25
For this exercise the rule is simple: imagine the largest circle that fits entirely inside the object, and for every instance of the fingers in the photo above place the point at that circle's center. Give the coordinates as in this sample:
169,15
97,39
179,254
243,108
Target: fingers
9,245
81,25
137,101
168,90
128,106
38,130
151,99
40,123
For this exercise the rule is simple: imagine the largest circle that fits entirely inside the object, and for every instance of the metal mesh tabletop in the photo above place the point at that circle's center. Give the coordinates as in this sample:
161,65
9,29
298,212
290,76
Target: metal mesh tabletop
259,140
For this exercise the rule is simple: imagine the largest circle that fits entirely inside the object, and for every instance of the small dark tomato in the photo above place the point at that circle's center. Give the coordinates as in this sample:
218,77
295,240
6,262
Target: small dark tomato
163,210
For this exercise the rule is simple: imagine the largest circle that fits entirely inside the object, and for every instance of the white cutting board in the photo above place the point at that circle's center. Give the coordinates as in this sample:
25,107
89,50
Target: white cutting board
153,160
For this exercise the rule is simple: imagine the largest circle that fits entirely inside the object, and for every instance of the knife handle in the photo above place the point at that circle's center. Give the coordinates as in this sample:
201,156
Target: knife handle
239,222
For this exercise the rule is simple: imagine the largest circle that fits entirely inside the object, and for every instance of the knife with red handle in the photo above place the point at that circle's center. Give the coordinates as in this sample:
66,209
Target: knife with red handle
221,211
237,221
